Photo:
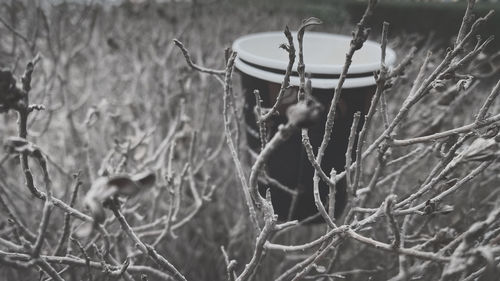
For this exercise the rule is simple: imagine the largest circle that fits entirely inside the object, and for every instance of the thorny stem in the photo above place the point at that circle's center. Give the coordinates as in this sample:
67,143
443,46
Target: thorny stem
359,37
393,224
491,97
479,169
318,172
63,241
78,262
350,144
286,79
381,81
301,68
259,250
192,64
144,248
239,169
284,132
463,129
418,92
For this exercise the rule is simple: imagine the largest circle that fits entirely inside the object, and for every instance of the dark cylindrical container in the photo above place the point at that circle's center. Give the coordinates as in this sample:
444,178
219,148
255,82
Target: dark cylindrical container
262,66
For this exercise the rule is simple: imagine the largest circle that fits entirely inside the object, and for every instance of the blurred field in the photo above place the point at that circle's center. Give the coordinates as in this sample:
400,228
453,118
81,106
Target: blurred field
117,94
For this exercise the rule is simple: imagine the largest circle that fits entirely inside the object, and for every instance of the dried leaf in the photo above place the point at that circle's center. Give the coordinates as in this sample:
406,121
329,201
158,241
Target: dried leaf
439,85
305,113
320,269
310,21
465,83
481,149
105,188
145,179
124,185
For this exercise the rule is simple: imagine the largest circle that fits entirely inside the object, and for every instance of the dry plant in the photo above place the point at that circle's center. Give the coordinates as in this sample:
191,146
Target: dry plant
152,193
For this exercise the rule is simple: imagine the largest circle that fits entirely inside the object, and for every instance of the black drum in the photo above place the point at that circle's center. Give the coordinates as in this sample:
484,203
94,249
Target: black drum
262,66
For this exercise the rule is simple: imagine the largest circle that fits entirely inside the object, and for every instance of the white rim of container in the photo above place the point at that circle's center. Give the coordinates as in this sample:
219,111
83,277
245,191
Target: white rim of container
321,83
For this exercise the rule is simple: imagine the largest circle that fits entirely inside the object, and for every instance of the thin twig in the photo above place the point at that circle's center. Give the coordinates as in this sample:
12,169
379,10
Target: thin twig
190,62
286,79
229,139
381,81
491,98
62,244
